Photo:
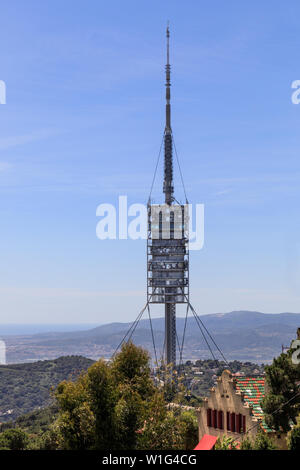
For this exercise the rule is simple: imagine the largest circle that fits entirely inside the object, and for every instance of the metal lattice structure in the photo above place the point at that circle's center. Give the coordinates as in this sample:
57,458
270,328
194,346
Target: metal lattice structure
167,242
168,256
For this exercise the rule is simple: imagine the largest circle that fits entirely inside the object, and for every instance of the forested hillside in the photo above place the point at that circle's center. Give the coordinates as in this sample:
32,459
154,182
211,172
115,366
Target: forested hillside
26,387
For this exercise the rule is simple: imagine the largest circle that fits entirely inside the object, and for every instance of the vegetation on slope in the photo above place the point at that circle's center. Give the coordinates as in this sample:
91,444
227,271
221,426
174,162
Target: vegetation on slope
117,405
282,402
201,376
113,405
27,387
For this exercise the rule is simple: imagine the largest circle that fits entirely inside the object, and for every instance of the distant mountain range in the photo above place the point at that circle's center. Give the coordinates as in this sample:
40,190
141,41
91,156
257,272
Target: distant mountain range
242,335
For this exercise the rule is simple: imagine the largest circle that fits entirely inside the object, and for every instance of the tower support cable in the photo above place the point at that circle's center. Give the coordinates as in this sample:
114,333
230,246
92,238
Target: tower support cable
152,333
204,337
180,171
131,329
183,336
179,366
156,167
210,336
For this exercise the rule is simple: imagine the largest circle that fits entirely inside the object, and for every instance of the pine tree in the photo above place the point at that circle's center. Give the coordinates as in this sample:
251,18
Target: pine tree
282,401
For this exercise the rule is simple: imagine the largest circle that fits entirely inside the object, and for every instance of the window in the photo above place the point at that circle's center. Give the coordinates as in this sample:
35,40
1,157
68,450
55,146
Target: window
240,426
235,422
228,421
208,417
215,419
232,422
244,424
220,419
238,423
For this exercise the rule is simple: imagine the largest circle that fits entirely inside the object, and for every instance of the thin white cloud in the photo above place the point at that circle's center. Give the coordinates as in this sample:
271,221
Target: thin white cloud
18,140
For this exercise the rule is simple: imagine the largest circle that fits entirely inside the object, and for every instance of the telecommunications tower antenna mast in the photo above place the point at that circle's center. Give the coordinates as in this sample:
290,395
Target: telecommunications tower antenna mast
168,253
167,243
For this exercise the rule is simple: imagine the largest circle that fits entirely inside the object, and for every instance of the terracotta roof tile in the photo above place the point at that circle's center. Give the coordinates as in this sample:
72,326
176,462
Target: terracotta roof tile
254,391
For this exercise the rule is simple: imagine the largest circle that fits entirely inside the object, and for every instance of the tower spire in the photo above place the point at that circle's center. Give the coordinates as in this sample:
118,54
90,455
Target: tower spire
168,83
168,144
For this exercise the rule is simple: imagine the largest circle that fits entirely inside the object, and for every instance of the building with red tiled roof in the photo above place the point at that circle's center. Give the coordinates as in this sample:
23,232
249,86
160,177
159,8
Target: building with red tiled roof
233,408
253,391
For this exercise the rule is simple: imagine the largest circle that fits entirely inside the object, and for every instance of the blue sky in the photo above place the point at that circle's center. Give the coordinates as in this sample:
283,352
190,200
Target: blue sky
83,124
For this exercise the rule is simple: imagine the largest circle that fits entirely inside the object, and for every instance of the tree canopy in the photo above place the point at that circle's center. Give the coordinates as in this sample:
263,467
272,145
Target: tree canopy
281,404
116,405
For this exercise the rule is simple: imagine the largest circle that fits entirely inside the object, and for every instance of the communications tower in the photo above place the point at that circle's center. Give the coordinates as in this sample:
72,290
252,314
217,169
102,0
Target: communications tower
167,242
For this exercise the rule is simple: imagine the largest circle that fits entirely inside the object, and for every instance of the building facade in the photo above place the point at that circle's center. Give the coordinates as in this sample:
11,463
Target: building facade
233,409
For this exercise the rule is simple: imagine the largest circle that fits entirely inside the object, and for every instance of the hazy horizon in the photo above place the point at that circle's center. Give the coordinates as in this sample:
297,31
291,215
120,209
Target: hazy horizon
7,329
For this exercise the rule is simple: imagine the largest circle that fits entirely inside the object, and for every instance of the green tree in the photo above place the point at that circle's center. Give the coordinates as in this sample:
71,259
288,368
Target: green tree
226,443
189,429
282,401
14,439
294,437
101,396
106,406
129,411
263,442
134,391
161,429
115,405
50,440
132,366
246,444
76,421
